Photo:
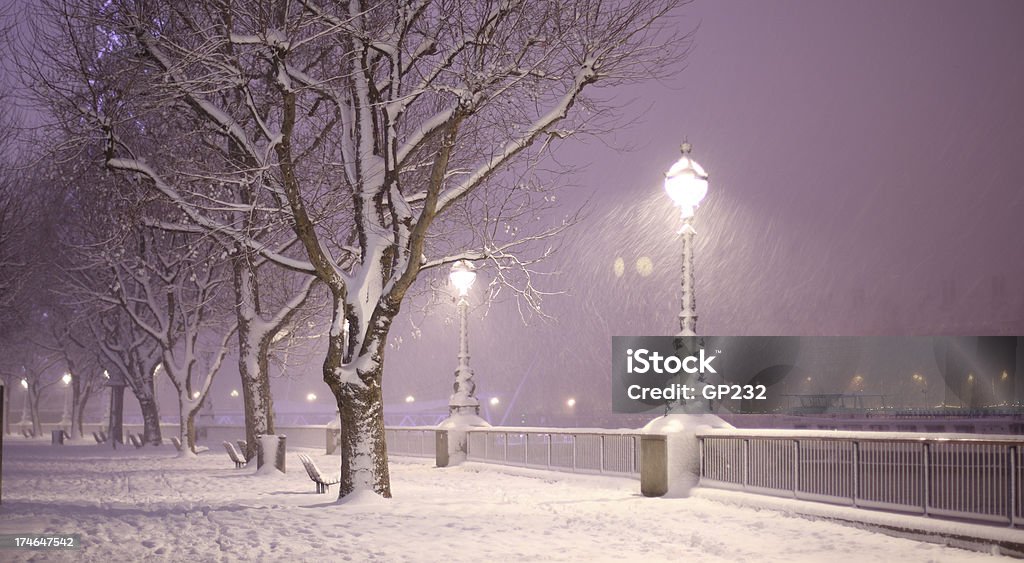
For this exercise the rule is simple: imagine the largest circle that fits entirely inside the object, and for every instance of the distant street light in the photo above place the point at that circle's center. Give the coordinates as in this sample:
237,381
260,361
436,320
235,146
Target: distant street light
923,383
65,417
195,394
234,392
24,404
410,399
857,383
311,397
494,401
463,400
570,403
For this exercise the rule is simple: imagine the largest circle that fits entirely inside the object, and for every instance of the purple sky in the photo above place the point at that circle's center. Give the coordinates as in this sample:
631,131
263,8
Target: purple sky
863,181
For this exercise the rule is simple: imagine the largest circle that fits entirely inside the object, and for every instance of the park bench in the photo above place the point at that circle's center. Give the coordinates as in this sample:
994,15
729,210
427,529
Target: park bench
176,442
98,438
103,436
241,449
136,441
27,433
230,448
317,476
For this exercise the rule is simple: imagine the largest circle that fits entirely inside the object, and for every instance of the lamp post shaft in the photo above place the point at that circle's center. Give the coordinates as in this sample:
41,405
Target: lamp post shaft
463,399
688,310
66,416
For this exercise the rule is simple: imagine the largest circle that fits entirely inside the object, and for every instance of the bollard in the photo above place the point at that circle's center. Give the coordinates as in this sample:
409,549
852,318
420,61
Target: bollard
279,459
653,465
441,447
259,451
57,437
333,440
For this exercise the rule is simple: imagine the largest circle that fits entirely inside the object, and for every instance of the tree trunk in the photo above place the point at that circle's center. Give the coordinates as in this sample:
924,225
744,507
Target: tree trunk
253,345
78,418
364,460
259,405
76,428
7,408
37,427
150,422
190,430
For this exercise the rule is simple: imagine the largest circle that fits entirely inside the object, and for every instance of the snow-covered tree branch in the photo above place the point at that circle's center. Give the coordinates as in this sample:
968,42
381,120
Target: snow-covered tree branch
381,134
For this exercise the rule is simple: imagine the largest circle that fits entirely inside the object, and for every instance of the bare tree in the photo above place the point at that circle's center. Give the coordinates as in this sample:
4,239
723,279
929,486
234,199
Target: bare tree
134,355
169,290
165,289
68,339
392,137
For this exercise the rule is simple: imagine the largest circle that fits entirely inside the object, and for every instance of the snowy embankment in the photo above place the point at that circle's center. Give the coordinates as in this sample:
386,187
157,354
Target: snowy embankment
133,505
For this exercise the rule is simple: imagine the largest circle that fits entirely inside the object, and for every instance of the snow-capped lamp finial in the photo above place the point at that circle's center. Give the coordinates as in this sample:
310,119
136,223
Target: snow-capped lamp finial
686,147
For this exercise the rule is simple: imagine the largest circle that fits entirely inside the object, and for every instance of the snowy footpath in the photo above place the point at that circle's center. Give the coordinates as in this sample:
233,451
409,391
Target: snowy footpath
149,505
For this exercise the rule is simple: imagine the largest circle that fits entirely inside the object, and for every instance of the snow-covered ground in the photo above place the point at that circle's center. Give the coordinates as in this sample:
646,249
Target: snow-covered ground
134,505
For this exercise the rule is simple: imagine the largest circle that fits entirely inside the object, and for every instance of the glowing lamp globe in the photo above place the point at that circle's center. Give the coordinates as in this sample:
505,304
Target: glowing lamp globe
686,183
462,276
66,379
24,383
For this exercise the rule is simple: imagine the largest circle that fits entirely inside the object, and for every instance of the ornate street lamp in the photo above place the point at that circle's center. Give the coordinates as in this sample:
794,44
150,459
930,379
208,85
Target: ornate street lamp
463,400
687,184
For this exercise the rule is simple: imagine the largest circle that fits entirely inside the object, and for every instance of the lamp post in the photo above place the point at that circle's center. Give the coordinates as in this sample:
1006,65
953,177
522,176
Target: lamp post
463,400
156,387
24,404
106,414
687,184
65,417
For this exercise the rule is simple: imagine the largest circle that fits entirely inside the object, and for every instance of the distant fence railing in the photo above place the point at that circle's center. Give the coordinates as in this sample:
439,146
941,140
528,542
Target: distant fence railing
576,451
415,441
975,478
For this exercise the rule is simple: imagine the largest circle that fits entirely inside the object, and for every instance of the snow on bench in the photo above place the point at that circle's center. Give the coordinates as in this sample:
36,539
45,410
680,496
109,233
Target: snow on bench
317,476
241,449
239,463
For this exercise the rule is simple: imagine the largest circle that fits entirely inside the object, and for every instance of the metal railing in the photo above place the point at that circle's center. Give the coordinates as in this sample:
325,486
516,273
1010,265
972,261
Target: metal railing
597,452
414,441
975,478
